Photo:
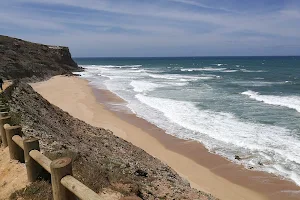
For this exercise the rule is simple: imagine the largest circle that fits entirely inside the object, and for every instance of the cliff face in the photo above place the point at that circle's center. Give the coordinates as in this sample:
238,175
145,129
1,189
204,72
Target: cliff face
22,59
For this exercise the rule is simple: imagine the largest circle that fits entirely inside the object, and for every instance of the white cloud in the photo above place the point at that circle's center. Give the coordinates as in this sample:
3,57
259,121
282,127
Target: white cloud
160,26
267,23
202,5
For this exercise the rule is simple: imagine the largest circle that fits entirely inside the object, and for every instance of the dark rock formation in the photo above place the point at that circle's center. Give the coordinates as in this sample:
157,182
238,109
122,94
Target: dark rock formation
237,157
22,59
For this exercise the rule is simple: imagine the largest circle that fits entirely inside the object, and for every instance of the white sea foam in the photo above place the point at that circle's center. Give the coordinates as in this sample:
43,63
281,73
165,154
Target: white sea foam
207,77
209,69
142,86
119,66
109,77
292,102
187,70
220,64
99,68
182,77
222,133
252,71
115,72
176,83
230,70
80,73
257,83
226,134
161,76
202,69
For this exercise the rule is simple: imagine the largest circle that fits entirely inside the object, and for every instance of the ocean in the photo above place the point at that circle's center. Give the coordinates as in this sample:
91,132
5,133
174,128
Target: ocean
245,106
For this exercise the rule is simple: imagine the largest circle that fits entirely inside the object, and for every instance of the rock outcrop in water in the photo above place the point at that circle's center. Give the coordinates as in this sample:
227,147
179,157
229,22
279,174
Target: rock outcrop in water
22,59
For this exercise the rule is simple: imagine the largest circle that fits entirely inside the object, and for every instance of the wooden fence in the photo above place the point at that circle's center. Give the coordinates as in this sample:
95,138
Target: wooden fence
64,185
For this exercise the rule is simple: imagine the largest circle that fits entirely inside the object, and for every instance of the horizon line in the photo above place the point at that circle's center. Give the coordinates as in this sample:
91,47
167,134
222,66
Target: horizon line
181,56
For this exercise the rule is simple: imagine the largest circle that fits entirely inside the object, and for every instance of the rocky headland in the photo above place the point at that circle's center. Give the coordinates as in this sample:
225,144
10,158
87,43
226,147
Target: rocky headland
22,59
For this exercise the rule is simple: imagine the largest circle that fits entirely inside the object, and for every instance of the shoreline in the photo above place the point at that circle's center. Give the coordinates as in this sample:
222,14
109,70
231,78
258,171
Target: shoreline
206,171
235,173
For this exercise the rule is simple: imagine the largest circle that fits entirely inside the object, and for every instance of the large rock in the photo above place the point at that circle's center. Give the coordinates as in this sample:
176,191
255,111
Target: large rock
22,59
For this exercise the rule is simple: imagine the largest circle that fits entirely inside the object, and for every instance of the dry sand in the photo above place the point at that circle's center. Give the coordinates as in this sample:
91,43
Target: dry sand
6,84
205,171
13,175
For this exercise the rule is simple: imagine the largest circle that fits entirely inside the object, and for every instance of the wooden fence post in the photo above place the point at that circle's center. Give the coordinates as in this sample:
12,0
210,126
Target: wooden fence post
15,152
60,168
4,120
32,167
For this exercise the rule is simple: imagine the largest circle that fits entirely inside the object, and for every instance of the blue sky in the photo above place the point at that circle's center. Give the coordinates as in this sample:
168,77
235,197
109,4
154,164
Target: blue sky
115,28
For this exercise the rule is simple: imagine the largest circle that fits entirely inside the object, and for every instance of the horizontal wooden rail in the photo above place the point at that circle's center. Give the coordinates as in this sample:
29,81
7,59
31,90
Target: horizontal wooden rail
78,188
64,185
41,159
18,140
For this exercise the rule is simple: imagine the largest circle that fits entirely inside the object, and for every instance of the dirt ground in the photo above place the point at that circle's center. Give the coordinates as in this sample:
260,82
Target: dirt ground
12,175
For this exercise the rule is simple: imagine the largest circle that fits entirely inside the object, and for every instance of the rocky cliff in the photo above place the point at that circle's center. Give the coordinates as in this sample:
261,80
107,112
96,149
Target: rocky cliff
22,59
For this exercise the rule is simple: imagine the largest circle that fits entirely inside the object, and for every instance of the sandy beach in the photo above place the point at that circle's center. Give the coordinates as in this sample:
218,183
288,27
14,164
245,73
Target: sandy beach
205,171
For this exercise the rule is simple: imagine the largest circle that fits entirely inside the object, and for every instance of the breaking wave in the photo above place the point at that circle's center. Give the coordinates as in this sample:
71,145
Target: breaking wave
292,102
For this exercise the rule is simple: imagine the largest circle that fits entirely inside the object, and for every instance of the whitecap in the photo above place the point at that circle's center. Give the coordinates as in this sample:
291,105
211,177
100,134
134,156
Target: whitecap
292,102
176,83
142,86
257,83
160,76
109,66
202,69
230,70
252,71
219,64
180,77
225,134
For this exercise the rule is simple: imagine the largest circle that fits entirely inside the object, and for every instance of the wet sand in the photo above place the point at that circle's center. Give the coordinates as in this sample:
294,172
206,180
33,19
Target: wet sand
205,171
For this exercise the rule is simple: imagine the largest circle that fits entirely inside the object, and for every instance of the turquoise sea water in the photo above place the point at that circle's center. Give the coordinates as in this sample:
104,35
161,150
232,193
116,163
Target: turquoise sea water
246,106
